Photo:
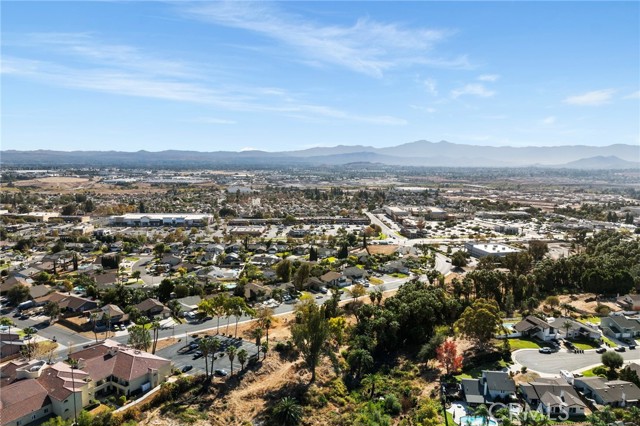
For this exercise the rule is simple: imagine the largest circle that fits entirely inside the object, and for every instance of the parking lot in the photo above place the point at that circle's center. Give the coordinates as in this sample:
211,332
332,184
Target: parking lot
564,360
181,358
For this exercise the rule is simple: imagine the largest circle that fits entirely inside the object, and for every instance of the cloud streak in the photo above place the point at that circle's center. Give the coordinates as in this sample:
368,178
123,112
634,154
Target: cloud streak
473,89
366,47
594,98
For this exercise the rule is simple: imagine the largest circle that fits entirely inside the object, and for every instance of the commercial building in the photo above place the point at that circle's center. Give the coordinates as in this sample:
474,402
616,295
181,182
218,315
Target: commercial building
489,249
161,219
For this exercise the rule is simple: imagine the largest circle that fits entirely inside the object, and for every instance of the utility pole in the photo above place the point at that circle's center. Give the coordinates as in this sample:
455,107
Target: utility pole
443,400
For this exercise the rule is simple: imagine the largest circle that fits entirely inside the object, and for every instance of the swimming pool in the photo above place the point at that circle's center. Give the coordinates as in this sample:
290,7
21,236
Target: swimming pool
477,421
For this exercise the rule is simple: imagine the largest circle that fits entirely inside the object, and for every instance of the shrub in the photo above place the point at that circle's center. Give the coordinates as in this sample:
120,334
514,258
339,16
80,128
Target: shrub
600,371
392,405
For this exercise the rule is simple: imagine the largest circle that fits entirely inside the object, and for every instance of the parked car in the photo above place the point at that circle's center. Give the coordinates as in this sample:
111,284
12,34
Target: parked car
187,368
544,350
601,350
620,349
221,373
197,355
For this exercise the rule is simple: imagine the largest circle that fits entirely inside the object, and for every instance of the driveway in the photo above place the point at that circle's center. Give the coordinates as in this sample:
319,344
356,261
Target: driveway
563,360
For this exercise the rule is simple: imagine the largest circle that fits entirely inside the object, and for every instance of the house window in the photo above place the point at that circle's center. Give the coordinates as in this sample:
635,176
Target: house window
46,410
33,417
572,410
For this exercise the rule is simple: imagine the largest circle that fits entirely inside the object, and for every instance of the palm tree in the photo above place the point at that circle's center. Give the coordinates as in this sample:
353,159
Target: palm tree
567,326
30,331
7,322
231,353
264,348
287,412
214,346
94,319
203,346
483,412
242,357
371,381
257,333
155,326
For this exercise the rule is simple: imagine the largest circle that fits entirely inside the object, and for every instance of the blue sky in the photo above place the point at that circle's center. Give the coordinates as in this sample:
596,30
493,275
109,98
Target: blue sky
214,76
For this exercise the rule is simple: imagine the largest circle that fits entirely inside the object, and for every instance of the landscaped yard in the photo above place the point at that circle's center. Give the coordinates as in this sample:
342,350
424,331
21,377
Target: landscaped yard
524,343
585,344
590,373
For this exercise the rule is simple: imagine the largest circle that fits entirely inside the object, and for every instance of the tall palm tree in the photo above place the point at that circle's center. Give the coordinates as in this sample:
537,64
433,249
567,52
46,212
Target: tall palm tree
155,326
30,331
242,357
7,322
94,319
203,346
231,353
214,346
567,326
107,318
371,381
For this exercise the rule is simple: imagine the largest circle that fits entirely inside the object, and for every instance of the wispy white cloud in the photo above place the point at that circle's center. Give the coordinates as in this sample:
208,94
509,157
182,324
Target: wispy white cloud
549,120
474,89
634,95
125,82
489,77
366,46
431,86
594,98
430,110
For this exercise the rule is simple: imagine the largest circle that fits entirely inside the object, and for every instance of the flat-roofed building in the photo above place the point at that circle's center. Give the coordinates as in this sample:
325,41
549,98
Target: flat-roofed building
489,249
161,219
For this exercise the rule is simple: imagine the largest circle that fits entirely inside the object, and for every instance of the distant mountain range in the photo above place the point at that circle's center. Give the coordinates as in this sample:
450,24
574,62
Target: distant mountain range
419,153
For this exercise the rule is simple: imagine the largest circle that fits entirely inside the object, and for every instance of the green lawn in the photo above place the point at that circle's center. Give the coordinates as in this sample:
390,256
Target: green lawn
450,420
591,319
476,372
524,343
610,342
132,259
590,373
399,275
585,344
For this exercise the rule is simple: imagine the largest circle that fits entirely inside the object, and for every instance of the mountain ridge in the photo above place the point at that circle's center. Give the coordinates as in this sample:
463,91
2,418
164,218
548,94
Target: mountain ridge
417,153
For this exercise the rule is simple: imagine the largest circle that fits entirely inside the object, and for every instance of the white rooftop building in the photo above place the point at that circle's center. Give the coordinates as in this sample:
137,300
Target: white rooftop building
161,219
489,249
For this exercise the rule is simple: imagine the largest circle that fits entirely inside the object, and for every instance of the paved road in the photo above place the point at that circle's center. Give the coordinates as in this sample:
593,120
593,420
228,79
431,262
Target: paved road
563,360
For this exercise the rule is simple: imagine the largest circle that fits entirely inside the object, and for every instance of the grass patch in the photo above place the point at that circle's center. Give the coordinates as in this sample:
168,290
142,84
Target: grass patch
591,319
132,259
524,343
589,372
399,275
585,344
376,281
476,372
609,341
450,420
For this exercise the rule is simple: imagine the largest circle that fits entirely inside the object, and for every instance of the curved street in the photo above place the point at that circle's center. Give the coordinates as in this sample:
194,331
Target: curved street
564,360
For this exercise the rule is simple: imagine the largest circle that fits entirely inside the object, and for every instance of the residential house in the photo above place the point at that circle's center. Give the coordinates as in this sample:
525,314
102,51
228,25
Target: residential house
11,282
620,327
189,303
152,308
354,273
254,291
615,393
331,278
630,302
555,395
10,345
577,330
265,259
37,291
76,304
532,326
114,314
32,391
491,387
395,266
231,260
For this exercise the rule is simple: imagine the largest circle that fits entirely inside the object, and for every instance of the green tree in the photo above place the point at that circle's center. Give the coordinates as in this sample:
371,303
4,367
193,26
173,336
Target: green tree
360,361
242,357
286,412
155,327
283,270
479,321
7,322
139,337
52,310
613,361
231,353
18,294
301,276
31,342
310,334
629,375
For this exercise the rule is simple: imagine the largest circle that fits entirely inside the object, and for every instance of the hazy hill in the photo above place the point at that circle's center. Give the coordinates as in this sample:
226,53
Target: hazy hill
419,153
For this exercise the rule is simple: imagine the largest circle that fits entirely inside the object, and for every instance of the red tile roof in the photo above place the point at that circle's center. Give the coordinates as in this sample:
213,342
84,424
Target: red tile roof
21,398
